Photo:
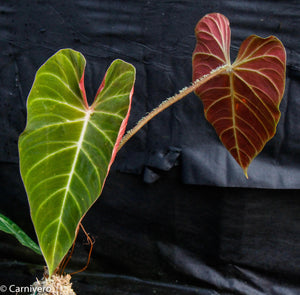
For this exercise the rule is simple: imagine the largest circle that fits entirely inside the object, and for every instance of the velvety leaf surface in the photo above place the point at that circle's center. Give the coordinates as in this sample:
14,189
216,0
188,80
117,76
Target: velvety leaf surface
10,227
68,147
242,103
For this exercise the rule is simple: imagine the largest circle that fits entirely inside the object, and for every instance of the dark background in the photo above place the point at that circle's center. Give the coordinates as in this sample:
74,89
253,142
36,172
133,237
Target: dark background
177,215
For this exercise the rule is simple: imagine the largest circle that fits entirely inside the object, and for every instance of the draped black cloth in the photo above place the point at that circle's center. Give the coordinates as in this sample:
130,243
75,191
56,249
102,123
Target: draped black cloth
177,215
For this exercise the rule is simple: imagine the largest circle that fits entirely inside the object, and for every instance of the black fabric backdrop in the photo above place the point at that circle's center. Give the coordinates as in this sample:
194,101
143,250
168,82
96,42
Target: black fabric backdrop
177,215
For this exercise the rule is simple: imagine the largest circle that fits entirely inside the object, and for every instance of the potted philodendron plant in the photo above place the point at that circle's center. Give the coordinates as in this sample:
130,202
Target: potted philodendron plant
68,146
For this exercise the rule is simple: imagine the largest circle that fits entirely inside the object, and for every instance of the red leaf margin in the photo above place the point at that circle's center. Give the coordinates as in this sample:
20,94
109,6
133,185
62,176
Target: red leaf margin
121,132
123,124
244,123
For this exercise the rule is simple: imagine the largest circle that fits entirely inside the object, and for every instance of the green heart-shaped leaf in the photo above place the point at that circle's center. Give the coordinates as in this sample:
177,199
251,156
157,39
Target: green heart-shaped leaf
68,146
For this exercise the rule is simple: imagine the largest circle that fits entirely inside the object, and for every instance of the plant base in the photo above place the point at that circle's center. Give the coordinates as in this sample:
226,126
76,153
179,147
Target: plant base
56,285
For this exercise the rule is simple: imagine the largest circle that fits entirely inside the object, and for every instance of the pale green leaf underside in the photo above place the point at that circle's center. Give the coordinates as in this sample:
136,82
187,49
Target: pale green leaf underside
10,227
66,148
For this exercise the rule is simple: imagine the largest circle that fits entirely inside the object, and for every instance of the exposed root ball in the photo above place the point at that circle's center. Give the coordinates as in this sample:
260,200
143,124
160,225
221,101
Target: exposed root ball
56,285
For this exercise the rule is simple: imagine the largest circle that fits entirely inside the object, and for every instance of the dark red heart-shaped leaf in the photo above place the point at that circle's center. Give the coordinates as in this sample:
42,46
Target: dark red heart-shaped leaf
242,102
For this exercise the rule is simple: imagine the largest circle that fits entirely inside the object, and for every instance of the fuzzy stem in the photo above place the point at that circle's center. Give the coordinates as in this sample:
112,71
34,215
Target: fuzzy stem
171,100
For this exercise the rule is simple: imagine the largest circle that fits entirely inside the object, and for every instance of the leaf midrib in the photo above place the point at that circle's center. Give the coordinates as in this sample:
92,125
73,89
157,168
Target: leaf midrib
79,145
233,116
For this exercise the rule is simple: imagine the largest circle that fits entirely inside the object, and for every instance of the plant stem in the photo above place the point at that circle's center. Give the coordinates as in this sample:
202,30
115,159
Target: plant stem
171,100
